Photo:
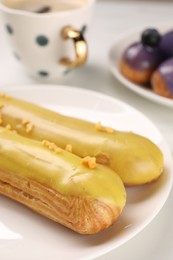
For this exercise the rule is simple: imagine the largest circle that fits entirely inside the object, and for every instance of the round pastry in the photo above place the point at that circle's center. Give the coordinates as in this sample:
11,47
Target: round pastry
166,44
140,59
162,79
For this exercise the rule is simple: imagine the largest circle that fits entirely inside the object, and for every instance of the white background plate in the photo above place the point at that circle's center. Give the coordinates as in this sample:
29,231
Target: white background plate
115,54
27,235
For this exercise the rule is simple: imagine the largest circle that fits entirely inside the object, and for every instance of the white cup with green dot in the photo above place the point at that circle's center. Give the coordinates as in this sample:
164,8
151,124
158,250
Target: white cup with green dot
48,37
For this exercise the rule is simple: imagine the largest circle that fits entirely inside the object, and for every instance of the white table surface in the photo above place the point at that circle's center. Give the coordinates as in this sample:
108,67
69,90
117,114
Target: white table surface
112,18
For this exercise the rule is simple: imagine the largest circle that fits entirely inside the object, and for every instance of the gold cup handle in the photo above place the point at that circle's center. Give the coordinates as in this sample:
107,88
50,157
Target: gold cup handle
80,46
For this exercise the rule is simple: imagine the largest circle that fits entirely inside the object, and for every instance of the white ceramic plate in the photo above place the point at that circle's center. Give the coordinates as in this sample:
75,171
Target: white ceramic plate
27,235
115,54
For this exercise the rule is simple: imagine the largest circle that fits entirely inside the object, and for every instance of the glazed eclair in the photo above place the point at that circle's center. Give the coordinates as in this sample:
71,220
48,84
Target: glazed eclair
77,193
136,159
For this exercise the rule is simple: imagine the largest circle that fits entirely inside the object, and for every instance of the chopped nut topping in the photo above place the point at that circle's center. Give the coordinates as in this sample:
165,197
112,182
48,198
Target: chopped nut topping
8,97
45,142
51,146
29,127
68,148
109,130
99,127
57,150
89,162
25,122
8,127
4,95
102,159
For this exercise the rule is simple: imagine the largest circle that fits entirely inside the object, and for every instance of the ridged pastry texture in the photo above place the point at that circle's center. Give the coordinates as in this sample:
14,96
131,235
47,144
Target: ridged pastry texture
59,185
136,159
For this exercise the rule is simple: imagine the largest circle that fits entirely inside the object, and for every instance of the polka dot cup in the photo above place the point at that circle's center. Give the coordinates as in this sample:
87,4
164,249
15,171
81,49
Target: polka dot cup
48,44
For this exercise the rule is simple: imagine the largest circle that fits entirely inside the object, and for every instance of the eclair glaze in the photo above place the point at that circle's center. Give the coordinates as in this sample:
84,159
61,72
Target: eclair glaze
62,171
136,159
56,184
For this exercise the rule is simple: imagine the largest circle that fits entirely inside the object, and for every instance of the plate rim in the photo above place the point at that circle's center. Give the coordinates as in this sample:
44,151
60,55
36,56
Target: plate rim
104,96
135,88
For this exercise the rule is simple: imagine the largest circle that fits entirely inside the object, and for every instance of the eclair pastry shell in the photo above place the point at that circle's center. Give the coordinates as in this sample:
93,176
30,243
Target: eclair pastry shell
136,159
58,185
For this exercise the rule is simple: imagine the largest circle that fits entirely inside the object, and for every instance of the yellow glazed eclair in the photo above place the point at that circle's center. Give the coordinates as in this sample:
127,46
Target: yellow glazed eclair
136,159
77,193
